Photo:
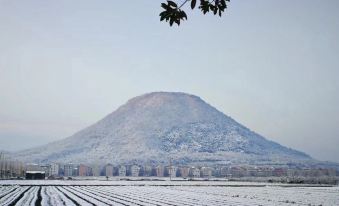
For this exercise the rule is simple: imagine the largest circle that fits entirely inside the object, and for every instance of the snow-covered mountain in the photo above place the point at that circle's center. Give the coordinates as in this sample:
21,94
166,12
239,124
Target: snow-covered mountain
161,125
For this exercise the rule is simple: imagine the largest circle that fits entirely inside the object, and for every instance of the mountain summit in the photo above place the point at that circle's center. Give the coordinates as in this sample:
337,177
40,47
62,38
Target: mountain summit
161,125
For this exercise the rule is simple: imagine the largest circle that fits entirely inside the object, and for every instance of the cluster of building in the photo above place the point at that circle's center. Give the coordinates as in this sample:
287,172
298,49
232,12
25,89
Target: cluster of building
10,168
254,171
34,171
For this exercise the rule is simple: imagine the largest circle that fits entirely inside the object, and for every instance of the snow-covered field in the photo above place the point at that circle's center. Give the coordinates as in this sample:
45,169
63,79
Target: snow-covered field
162,193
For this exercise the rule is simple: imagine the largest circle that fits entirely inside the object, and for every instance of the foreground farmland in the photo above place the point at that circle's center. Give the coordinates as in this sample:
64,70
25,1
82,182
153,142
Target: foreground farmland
161,193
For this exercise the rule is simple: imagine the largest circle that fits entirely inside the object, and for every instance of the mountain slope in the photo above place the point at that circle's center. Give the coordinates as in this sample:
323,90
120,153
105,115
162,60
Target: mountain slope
159,125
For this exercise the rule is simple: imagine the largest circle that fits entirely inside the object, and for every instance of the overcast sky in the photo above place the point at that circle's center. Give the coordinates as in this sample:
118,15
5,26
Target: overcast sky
271,65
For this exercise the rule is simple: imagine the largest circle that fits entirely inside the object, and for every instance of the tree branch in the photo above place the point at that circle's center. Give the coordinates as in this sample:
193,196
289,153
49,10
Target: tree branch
174,14
183,3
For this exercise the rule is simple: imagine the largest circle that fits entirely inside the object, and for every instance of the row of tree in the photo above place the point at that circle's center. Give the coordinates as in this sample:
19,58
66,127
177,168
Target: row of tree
10,168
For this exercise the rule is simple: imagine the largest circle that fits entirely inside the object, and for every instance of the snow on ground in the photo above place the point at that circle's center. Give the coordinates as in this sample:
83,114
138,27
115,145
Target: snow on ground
95,192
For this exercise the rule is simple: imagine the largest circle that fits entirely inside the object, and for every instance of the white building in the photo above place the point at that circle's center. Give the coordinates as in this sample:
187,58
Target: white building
122,171
109,170
172,171
46,168
195,172
206,172
147,170
69,170
96,170
135,170
54,169
184,171
160,170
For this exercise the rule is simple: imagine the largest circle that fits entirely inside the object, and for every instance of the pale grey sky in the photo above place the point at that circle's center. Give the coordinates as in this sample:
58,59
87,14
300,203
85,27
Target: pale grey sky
272,65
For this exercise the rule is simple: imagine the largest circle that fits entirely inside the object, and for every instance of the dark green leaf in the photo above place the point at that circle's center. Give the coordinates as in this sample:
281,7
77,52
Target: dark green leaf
183,15
177,21
193,3
163,5
163,13
171,21
215,10
223,3
171,3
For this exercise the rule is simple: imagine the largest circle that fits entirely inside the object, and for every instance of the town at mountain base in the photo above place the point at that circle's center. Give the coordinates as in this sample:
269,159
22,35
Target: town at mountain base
156,127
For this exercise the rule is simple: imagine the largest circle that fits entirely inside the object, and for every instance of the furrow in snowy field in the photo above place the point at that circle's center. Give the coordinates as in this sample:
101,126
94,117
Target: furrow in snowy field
113,197
84,196
278,195
46,197
123,199
165,195
76,199
130,193
242,193
60,197
158,194
127,193
207,197
236,194
6,190
52,196
202,199
12,198
100,197
273,195
29,197
190,197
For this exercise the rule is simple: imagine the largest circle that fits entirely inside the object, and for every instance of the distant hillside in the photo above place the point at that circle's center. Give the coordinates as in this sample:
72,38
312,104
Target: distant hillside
156,126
